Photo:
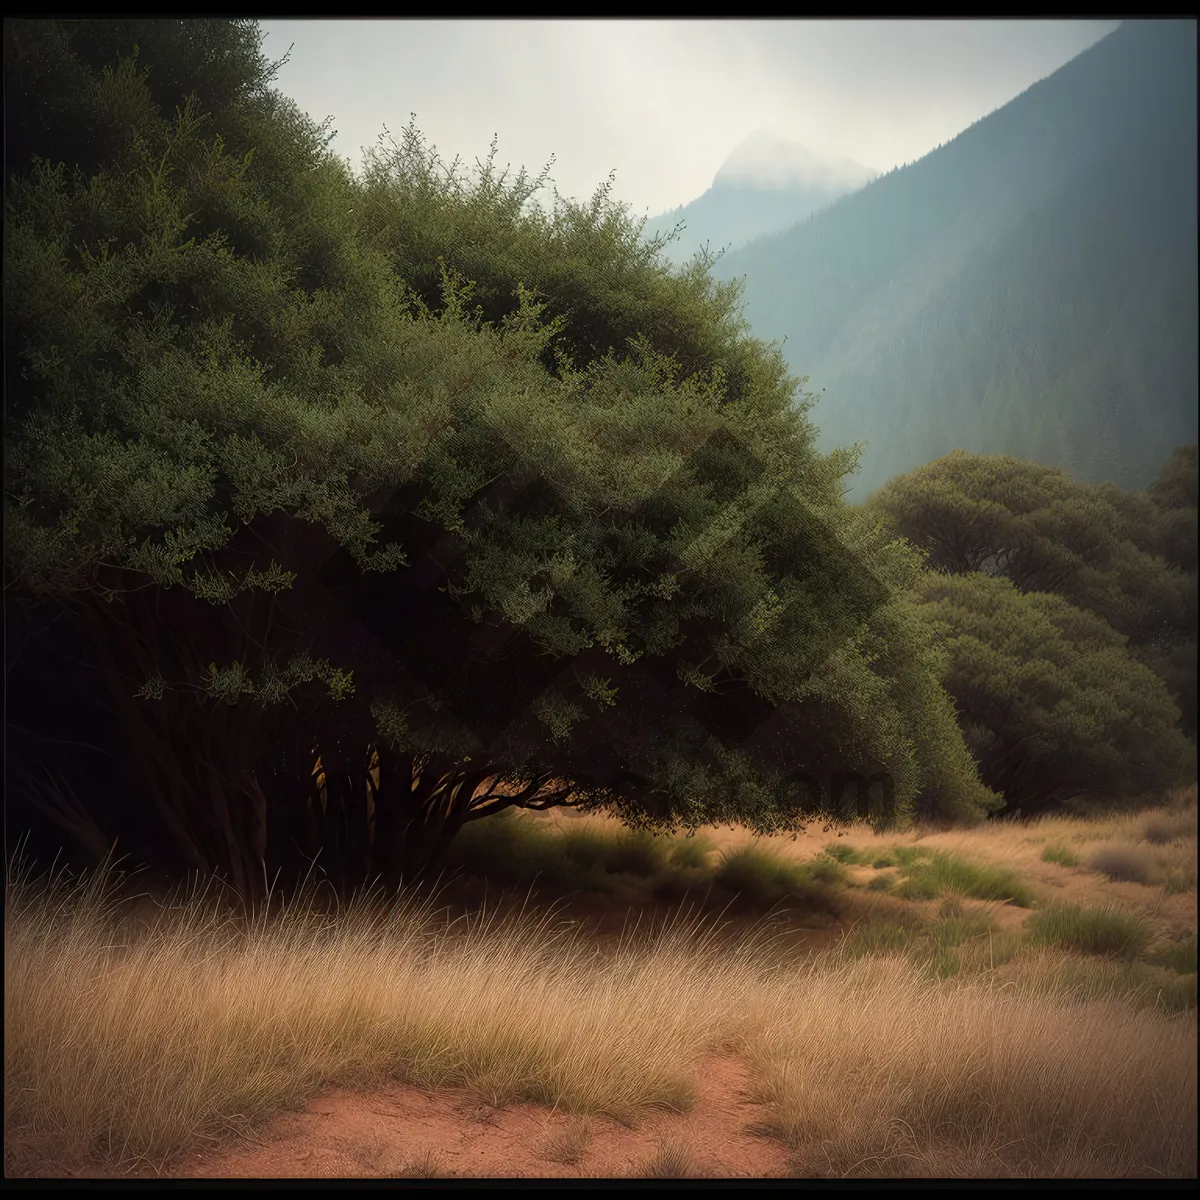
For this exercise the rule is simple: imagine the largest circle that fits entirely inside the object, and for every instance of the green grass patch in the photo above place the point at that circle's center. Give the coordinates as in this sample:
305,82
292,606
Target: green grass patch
920,887
517,853
985,953
1174,995
908,856
1179,957
878,937
939,947
1175,882
757,876
881,883
501,848
1106,930
761,879
1060,855
847,855
1140,983
941,873
955,929
826,870
691,851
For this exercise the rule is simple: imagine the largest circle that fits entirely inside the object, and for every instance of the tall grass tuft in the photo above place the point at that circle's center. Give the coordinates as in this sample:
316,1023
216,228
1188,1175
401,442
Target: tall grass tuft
568,1144
1103,930
942,872
672,1159
1180,956
936,946
1060,855
849,855
691,851
1085,978
761,879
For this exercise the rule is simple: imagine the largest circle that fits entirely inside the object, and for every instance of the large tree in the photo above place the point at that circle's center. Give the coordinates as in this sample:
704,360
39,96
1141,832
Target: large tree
345,528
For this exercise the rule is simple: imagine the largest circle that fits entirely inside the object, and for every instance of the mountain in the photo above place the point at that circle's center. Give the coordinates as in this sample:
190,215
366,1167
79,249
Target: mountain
1029,288
765,185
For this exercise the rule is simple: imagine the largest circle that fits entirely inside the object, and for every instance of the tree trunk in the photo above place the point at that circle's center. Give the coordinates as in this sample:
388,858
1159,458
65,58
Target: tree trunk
419,807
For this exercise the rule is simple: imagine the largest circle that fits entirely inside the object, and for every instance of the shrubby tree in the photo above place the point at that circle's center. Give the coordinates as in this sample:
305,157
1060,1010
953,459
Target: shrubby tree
1053,705
351,512
1171,651
1128,557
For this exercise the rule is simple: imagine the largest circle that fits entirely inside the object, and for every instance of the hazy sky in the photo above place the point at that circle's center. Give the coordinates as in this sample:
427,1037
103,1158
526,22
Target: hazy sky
663,102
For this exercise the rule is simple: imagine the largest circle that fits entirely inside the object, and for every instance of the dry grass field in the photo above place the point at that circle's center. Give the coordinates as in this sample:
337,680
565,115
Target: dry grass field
1017,1000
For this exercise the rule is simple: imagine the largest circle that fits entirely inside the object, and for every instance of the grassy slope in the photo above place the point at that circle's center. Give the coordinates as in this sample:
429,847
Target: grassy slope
943,1033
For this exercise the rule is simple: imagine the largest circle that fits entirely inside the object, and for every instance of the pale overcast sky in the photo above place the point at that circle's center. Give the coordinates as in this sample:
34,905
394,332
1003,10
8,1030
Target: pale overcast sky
663,102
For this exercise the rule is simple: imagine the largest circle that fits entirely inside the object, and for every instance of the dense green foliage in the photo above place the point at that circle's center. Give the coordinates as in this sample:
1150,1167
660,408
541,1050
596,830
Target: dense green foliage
1028,288
1127,557
1053,705
482,500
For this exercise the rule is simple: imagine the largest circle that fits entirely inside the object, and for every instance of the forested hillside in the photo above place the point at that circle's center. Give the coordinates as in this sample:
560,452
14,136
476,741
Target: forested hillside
1029,288
360,528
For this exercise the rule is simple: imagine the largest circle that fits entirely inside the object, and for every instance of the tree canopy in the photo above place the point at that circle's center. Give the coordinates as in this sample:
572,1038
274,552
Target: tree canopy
1053,706
1123,563
1129,557
344,512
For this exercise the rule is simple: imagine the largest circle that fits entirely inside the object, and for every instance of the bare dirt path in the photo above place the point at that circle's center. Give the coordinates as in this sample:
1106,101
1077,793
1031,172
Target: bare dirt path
403,1131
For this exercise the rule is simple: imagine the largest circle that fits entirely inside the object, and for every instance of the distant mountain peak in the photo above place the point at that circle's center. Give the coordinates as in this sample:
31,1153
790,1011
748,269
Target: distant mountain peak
765,159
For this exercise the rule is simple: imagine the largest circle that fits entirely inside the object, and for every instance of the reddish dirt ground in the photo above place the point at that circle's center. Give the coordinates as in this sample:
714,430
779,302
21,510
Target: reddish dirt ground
405,1132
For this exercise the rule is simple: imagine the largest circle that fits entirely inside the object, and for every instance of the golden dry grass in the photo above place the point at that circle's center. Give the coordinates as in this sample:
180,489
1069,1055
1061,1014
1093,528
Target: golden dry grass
882,1074
133,1039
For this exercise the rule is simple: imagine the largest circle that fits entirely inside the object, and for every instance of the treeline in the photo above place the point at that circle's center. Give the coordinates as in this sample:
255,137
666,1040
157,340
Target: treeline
340,511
